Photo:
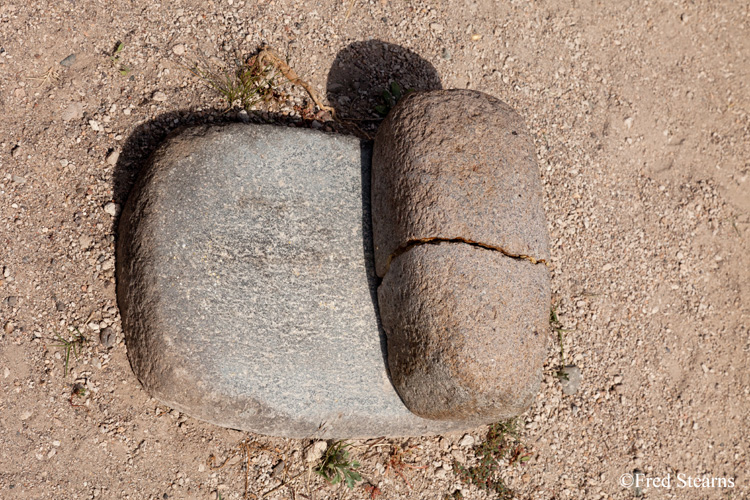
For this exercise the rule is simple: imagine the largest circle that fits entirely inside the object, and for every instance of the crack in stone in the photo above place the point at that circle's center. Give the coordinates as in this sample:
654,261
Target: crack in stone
437,240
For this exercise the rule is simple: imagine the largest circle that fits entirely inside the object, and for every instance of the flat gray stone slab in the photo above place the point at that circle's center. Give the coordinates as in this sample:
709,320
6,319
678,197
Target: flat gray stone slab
247,285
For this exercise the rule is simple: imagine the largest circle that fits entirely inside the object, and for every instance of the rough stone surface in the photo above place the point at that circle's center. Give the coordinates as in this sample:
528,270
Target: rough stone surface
454,164
247,288
466,330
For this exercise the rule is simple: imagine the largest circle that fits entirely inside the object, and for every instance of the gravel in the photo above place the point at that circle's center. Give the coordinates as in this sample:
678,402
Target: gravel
636,219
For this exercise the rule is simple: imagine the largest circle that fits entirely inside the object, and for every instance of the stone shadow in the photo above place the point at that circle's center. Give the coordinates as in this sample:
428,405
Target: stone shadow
363,70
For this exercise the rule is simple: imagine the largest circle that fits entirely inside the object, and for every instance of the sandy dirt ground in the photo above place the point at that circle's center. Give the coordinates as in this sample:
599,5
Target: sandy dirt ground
639,111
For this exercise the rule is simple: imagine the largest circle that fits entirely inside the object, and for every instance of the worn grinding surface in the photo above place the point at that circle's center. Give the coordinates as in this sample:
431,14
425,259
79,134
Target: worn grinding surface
247,289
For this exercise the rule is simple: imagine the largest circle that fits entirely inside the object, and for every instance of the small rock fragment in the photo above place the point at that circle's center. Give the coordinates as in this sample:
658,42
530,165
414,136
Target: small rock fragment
113,157
85,241
107,337
179,49
278,469
112,208
15,153
159,96
74,111
17,179
95,125
466,441
570,379
316,451
68,61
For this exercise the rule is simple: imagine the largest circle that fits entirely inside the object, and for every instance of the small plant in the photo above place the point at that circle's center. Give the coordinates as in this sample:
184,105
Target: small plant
79,391
244,81
336,466
73,345
558,328
397,465
502,442
373,491
390,97
114,59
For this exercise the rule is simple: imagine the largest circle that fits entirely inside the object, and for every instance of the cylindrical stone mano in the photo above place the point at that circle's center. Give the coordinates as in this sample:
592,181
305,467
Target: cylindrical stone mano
461,244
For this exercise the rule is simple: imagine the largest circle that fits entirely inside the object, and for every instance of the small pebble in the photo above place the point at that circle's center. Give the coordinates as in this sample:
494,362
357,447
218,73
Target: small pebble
179,49
570,379
68,61
466,441
278,469
107,337
112,208
159,96
15,153
316,451
17,179
113,157
74,111
85,241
